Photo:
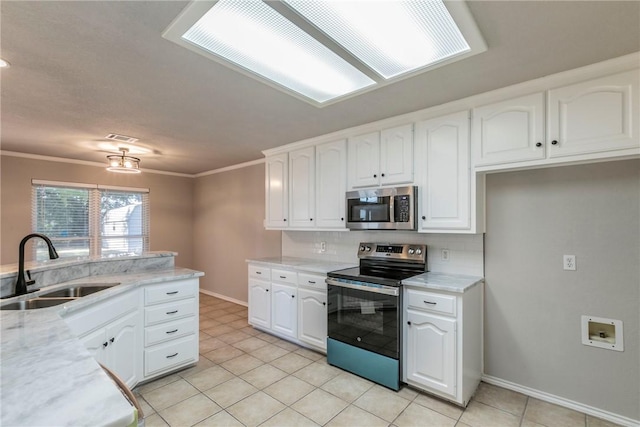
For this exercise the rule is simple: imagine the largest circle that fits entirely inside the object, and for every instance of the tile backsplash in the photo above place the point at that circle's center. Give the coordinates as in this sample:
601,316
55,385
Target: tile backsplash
466,252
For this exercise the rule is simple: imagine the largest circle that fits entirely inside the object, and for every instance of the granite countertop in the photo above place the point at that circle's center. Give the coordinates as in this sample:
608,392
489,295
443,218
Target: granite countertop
304,264
47,376
456,283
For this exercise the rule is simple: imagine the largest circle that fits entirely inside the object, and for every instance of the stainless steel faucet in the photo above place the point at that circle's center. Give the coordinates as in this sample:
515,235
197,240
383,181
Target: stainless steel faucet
21,283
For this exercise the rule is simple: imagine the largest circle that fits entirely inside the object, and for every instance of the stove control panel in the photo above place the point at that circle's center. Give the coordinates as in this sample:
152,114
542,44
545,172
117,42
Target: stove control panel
398,251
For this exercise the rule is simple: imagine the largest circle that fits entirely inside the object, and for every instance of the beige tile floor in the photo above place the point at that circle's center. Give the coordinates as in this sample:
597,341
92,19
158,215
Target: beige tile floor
248,378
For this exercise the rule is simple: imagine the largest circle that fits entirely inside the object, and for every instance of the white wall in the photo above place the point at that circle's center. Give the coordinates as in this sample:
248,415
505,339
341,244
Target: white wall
465,251
533,307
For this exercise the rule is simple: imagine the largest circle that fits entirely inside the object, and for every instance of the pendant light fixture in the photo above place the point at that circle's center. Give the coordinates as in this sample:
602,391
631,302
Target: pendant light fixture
122,163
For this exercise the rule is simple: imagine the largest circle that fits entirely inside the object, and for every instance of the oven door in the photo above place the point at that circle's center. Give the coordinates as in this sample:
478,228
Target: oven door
365,316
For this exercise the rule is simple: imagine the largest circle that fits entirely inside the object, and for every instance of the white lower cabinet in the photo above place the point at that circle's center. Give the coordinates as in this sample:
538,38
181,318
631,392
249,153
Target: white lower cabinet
292,305
110,330
431,352
312,310
442,337
170,326
144,332
284,310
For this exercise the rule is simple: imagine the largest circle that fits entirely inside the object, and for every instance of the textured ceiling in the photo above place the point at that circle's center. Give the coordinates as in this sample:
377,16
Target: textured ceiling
81,70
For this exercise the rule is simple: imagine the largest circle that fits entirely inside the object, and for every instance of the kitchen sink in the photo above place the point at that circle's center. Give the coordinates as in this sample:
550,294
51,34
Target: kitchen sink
35,303
78,291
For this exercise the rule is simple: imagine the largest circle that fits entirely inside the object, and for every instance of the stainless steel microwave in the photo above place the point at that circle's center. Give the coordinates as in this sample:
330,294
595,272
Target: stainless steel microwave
382,208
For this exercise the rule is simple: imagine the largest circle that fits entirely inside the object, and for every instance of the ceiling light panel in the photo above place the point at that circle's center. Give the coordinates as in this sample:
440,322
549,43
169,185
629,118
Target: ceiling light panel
391,37
255,37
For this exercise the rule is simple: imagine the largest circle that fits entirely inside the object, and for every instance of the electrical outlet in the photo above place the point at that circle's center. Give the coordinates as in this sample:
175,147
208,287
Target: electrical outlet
445,255
323,246
569,262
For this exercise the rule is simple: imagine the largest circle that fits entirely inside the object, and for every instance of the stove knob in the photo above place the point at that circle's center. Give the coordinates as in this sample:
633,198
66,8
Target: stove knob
361,248
411,251
418,251
368,248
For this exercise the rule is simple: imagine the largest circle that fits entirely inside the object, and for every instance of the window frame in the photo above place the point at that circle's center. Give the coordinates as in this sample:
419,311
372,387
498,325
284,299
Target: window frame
96,236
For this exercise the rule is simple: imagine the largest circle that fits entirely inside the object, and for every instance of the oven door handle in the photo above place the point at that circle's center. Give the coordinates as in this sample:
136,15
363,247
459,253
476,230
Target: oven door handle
387,290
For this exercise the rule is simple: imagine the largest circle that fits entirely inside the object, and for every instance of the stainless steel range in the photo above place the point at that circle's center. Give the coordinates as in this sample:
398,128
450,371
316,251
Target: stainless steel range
365,310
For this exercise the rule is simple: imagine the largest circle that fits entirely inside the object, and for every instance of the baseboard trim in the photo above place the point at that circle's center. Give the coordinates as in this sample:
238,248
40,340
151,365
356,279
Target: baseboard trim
224,297
561,401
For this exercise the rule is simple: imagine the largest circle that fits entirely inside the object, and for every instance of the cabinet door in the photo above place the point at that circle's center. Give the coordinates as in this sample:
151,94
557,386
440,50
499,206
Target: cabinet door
96,342
302,187
442,147
396,155
123,350
312,317
277,205
284,311
431,351
259,303
331,184
509,131
364,160
595,116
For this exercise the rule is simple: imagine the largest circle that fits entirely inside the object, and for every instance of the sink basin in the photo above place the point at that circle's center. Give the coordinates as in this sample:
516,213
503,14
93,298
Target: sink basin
78,291
35,303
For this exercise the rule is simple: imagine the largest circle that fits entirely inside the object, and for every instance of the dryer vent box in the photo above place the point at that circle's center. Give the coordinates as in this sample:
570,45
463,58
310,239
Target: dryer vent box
603,333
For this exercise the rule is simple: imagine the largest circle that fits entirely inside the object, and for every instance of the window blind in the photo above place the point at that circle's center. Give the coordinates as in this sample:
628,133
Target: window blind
90,220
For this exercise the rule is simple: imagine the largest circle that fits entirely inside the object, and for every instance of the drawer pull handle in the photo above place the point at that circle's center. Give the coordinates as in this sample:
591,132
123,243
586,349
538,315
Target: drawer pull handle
172,293
172,355
293,296
106,343
430,303
112,339
324,303
172,332
175,311
258,272
311,282
283,277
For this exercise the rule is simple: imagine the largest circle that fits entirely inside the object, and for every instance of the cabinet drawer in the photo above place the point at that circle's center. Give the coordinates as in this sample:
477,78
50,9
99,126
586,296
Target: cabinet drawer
429,301
169,330
169,311
173,353
170,291
284,276
315,281
259,272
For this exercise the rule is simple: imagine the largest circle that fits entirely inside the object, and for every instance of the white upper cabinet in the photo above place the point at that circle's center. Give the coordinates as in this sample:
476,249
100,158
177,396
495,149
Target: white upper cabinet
302,187
442,175
396,155
509,131
595,116
331,184
591,120
381,158
364,160
277,192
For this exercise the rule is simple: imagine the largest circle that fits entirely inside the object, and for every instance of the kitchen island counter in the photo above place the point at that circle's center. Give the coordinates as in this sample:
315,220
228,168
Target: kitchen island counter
47,376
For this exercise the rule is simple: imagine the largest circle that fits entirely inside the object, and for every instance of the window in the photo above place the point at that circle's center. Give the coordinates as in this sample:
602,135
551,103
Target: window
90,220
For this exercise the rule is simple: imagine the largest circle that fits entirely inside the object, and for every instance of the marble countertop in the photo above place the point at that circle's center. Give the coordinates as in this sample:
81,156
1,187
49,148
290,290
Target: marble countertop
457,283
10,270
304,264
47,376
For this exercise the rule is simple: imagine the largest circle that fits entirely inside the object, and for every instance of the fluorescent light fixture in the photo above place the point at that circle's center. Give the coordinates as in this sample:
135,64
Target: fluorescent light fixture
325,51
391,37
257,38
